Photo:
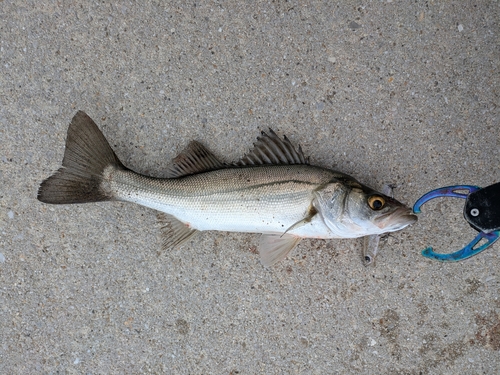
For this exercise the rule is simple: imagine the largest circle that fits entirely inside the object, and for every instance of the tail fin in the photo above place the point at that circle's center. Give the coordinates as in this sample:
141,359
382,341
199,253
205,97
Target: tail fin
86,156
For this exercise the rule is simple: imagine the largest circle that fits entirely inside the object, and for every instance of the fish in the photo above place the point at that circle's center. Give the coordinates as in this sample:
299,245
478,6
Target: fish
272,190
371,243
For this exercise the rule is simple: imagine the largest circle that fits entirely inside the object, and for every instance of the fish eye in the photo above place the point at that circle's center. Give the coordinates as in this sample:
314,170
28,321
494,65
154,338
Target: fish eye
376,202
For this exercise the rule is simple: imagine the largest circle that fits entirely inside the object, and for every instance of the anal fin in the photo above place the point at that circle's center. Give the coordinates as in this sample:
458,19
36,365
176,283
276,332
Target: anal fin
174,233
274,247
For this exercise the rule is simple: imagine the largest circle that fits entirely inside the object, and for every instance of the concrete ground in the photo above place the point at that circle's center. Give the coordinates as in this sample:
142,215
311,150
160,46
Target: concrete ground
400,92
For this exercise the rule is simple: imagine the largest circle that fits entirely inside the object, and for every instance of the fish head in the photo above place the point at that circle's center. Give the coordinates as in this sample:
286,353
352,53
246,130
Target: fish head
350,210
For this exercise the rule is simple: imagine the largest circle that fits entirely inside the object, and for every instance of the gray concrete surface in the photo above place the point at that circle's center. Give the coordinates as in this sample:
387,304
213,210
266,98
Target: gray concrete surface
402,92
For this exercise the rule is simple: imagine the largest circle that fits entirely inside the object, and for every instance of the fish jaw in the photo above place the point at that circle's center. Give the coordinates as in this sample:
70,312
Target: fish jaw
394,220
397,220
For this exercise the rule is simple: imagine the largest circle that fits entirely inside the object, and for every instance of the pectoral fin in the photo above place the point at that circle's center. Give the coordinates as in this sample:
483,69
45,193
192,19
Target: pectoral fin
310,214
174,233
274,247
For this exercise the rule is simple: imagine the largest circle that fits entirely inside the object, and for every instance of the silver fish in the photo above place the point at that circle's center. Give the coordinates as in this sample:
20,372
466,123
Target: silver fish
272,190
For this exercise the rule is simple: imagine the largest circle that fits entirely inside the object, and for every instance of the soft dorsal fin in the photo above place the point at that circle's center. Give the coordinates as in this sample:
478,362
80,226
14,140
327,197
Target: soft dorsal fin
195,158
271,149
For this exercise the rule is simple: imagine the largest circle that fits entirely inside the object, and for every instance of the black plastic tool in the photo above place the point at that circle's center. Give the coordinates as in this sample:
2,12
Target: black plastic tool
482,212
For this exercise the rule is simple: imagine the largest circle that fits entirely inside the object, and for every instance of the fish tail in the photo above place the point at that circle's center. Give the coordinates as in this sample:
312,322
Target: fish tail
87,155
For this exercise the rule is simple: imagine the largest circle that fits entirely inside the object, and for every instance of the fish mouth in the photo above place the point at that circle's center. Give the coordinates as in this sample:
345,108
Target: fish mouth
396,220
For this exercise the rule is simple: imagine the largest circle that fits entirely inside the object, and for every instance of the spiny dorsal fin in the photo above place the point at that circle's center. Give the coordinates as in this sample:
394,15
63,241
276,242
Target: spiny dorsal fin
271,149
195,158
174,233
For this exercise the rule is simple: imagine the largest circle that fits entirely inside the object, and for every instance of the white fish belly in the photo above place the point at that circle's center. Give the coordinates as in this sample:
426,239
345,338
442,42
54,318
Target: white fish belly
223,213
